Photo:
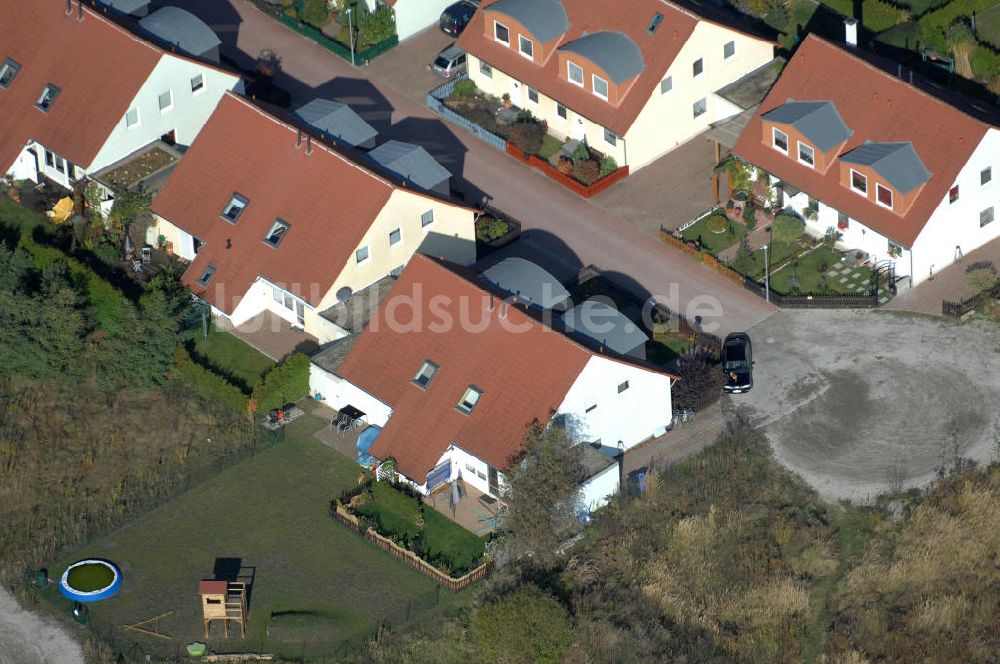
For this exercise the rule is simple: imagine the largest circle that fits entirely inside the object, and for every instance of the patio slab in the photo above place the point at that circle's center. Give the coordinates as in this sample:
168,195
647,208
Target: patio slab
476,511
272,336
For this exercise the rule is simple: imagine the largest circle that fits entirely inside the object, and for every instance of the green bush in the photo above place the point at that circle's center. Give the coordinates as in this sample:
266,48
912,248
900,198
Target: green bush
608,166
315,12
526,626
289,381
489,228
586,171
750,216
377,26
787,228
581,153
464,89
527,136
210,384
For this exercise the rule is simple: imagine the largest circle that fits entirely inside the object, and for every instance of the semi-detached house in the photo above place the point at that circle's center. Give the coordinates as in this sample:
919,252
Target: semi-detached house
79,93
634,79
272,220
900,174
455,375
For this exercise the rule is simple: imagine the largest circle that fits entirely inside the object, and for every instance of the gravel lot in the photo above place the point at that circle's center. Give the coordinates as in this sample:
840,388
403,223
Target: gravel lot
29,638
856,402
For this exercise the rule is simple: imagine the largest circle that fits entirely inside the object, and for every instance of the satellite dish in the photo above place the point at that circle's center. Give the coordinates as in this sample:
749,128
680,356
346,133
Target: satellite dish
344,294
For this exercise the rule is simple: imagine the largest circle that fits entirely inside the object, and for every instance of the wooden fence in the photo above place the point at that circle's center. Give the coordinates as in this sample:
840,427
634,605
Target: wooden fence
553,173
339,513
707,259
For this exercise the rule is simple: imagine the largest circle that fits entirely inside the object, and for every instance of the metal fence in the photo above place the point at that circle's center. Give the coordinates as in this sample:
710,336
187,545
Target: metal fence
962,307
435,102
334,46
860,300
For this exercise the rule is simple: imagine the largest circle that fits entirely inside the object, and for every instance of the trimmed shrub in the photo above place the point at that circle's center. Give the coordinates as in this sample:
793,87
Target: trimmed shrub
581,153
315,13
586,171
527,136
608,166
750,216
787,228
464,89
377,26
210,384
289,381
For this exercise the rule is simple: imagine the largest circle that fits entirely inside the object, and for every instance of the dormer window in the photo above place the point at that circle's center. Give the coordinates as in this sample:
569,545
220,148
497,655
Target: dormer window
8,70
779,140
425,375
600,86
47,98
501,33
575,73
807,155
277,233
206,276
234,208
883,195
526,46
469,400
859,182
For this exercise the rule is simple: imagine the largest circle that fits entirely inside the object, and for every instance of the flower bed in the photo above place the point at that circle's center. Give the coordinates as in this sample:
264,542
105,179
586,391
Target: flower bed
139,168
705,236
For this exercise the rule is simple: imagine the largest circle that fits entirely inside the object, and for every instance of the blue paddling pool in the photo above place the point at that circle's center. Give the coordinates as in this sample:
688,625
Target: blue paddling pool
90,580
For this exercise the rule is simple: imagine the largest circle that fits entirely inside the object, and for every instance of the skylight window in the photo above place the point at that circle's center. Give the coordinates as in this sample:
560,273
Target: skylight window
425,375
47,98
234,208
654,23
8,71
469,400
277,233
206,276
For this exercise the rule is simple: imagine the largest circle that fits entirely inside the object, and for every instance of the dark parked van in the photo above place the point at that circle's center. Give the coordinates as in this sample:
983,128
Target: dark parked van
455,17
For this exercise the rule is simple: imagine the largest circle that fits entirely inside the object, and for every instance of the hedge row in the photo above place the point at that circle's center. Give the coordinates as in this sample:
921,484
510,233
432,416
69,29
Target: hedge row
207,382
287,382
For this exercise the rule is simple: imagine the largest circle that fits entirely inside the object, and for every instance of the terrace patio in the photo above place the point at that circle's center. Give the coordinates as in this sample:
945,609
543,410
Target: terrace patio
271,335
475,511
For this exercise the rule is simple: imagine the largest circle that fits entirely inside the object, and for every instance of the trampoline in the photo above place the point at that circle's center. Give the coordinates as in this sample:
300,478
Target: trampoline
90,580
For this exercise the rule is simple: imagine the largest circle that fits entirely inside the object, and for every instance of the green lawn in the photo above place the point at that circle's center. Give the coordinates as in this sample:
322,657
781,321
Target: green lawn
778,252
711,242
444,537
324,582
810,280
231,357
988,25
663,348
550,146
397,512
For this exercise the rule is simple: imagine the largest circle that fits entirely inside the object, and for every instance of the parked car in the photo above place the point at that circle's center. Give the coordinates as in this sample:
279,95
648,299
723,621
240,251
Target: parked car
449,62
455,17
737,363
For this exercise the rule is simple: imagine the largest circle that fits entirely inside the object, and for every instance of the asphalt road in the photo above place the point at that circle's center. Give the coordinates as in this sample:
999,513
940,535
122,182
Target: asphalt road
561,224
858,402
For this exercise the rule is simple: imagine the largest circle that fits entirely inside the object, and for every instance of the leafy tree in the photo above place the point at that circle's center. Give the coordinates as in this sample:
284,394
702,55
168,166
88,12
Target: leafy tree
377,26
699,382
542,496
981,276
315,13
527,626
581,153
743,261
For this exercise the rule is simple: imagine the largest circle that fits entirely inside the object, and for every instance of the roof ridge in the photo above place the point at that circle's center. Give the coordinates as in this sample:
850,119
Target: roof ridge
128,33
825,42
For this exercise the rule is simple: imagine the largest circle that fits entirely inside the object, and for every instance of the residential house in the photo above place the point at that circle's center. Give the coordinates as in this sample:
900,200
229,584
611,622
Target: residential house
900,174
634,82
272,220
454,374
79,93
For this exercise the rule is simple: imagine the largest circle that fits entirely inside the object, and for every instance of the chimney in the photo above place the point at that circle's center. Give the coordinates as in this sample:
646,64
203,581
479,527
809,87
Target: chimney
298,139
491,302
503,310
79,10
69,7
309,145
851,31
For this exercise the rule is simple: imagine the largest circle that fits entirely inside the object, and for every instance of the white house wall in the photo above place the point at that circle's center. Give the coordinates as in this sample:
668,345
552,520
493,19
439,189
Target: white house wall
641,411
187,115
413,16
596,491
336,393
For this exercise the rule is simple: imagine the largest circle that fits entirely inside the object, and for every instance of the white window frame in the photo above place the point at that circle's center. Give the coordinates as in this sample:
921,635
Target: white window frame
200,77
610,134
594,78
521,41
798,154
699,63
358,260
496,37
7,67
992,216
623,386
724,46
851,182
399,230
170,104
50,92
774,144
988,172
237,200
429,369
669,80
694,108
532,91
569,76
565,111
138,118
880,187
426,221
278,223
486,69
467,403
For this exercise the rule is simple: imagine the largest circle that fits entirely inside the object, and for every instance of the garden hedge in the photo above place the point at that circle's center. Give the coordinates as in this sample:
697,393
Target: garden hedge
210,384
287,382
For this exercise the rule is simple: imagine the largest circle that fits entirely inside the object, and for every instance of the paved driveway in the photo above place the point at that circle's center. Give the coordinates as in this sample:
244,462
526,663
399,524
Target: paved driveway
407,68
855,400
561,222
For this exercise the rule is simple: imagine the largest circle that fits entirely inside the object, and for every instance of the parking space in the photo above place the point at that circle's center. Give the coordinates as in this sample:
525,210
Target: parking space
407,68
858,402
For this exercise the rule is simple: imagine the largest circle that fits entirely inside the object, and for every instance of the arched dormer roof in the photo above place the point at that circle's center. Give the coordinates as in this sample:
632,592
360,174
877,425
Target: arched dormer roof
614,52
545,19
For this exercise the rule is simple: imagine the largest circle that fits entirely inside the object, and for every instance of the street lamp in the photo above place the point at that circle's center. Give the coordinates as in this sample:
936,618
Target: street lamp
350,28
767,277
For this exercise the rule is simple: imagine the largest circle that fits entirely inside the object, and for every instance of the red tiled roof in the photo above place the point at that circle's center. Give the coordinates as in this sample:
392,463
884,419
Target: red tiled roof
877,107
212,587
328,201
524,376
98,67
588,16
